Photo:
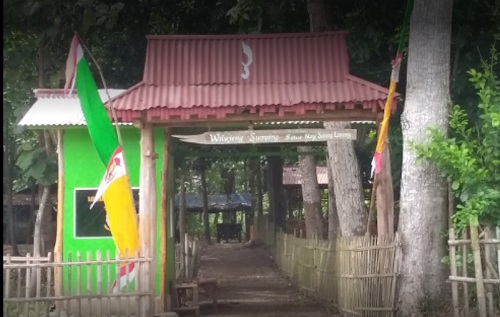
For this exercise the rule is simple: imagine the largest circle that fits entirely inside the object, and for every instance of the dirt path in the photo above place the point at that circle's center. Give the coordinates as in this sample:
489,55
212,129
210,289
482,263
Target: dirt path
251,285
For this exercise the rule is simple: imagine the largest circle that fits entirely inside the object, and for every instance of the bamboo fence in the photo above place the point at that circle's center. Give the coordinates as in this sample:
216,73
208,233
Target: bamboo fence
190,260
355,275
475,281
30,286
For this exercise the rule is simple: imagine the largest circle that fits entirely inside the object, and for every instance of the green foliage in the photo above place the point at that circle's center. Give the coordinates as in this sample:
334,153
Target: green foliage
34,162
469,157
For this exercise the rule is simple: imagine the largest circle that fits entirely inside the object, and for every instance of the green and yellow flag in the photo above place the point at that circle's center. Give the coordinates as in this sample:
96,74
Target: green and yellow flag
115,186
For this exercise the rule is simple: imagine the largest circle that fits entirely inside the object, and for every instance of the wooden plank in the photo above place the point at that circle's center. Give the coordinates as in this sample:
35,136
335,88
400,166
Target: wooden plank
269,136
473,280
468,241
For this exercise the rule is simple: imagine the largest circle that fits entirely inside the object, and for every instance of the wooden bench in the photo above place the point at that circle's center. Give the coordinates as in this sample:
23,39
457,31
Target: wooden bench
186,297
209,286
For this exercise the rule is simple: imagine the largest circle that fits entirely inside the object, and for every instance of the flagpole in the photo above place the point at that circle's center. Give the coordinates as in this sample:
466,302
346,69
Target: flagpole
115,119
105,86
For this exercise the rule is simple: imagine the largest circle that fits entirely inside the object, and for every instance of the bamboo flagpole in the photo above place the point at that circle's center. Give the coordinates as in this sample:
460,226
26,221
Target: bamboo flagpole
115,186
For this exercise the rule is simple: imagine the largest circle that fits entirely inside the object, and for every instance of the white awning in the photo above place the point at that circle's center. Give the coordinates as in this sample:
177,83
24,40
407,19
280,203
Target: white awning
53,108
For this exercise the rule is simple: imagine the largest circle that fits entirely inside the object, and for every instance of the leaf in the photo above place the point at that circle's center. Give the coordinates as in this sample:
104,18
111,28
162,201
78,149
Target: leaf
455,185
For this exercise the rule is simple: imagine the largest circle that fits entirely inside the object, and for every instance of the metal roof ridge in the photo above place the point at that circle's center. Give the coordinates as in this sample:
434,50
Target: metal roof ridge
241,36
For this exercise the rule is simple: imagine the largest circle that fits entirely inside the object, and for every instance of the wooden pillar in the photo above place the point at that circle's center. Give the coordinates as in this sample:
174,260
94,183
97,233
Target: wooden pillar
385,196
58,247
384,193
163,223
147,217
277,213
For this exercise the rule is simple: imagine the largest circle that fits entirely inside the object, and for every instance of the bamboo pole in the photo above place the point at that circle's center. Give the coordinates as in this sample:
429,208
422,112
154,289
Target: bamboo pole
163,222
465,285
478,269
58,247
487,255
453,271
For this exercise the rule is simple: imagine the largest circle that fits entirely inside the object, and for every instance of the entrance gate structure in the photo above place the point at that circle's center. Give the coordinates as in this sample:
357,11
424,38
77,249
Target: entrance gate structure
205,83
220,82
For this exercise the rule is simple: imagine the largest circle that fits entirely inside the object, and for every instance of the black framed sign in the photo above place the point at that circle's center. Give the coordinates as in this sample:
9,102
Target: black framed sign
91,223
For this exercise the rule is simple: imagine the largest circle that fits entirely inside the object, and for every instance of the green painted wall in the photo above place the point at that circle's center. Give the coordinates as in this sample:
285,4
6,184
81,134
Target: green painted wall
83,169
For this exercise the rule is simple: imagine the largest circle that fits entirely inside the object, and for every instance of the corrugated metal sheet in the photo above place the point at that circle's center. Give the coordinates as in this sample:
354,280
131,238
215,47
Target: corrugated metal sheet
275,58
54,108
146,96
188,76
292,175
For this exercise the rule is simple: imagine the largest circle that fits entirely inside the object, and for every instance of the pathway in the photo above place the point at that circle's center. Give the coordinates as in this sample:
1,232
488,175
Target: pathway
251,285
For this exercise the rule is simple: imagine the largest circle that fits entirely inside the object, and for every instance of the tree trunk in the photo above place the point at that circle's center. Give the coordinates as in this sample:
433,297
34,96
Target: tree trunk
259,186
182,220
39,222
8,167
277,213
311,195
31,226
423,213
333,217
206,220
348,190
347,185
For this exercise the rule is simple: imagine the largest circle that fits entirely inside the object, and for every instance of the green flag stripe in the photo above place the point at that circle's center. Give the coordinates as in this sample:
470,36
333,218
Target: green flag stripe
99,126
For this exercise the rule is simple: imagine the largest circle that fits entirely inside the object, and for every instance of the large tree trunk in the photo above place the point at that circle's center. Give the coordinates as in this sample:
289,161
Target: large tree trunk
311,195
206,220
333,217
423,213
277,213
348,190
347,186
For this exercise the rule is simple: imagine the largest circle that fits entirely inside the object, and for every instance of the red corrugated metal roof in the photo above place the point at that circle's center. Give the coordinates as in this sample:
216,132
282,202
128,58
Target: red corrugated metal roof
215,76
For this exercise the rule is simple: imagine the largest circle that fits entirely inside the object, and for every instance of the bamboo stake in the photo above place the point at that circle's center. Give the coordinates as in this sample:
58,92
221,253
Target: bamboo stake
58,248
453,271
478,269
487,255
99,282
163,222
465,285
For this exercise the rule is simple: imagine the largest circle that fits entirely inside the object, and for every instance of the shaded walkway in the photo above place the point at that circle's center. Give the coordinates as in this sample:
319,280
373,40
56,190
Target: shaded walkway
251,285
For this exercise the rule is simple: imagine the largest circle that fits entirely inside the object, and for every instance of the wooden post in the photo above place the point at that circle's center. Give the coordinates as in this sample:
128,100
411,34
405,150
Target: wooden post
58,247
385,196
453,271
453,251
478,270
147,217
489,275
163,223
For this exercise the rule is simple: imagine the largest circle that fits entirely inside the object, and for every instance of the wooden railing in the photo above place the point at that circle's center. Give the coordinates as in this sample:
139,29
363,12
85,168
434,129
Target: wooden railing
475,268
79,286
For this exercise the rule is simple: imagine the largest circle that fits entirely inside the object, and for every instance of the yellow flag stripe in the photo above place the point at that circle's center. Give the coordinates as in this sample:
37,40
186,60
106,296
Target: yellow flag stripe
122,219
384,127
